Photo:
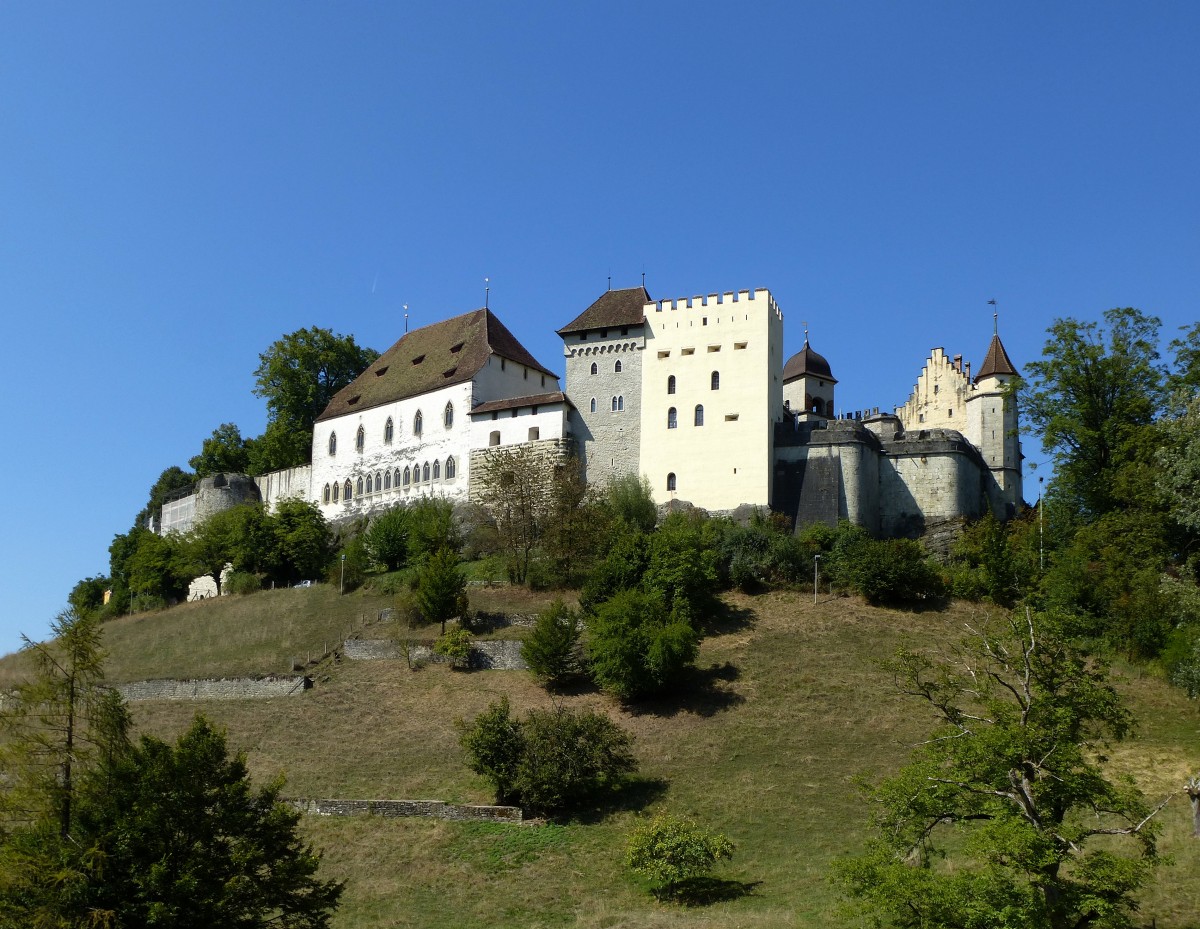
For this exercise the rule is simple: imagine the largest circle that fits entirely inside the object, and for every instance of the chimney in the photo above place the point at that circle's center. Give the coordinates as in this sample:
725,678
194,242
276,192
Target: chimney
958,363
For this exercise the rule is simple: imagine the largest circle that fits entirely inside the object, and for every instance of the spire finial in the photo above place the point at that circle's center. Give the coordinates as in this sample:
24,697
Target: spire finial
610,282
487,289
995,319
406,318
806,332
643,280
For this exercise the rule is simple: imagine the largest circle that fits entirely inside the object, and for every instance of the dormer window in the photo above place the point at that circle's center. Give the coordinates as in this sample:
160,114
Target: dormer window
418,359
380,372
455,349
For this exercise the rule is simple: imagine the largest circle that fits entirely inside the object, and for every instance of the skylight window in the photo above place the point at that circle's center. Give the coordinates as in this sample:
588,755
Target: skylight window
455,349
418,359
381,371
353,400
449,372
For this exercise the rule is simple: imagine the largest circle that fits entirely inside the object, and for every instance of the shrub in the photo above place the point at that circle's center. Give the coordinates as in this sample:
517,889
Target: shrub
552,648
636,647
669,850
440,588
621,569
630,502
348,569
554,761
242,582
455,645
887,572
431,528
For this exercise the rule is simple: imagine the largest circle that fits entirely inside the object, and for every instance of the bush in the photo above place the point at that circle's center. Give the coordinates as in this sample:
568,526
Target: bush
431,528
637,648
348,569
552,648
241,583
629,500
621,569
891,571
455,645
670,850
553,762
440,588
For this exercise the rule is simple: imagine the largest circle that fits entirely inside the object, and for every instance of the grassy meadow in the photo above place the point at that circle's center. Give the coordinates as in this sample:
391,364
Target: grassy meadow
786,709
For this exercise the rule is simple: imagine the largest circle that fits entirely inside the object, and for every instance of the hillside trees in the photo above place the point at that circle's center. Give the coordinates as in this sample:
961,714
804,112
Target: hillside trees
1007,811
224,451
298,375
441,589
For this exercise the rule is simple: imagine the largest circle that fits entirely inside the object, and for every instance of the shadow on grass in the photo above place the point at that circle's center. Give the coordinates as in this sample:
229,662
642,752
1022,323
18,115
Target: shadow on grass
700,692
724,618
632,795
702,891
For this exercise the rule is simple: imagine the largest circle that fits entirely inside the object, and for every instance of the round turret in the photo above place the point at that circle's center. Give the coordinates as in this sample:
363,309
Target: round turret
808,385
806,362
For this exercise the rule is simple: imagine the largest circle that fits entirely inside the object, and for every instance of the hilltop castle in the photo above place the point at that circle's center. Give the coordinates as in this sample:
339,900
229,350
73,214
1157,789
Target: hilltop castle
693,393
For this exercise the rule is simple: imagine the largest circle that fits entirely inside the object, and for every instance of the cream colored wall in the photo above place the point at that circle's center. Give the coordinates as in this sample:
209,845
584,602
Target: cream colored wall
939,400
727,461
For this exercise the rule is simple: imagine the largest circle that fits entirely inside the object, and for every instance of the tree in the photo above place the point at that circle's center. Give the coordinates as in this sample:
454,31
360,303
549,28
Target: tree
224,451
552,762
303,542
670,851
298,376
88,594
455,645
187,841
630,501
635,647
1005,815
387,538
514,492
441,590
552,648
232,536
1095,390
172,483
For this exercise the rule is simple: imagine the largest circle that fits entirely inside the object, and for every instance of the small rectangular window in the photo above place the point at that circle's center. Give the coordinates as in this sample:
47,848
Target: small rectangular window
688,351
714,348
704,320
738,346
731,417
664,354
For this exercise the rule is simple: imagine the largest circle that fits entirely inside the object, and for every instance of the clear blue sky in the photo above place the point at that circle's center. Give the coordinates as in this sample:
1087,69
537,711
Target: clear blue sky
180,184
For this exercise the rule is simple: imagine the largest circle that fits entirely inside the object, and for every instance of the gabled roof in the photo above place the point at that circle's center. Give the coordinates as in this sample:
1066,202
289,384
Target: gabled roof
807,362
996,362
435,356
614,308
511,403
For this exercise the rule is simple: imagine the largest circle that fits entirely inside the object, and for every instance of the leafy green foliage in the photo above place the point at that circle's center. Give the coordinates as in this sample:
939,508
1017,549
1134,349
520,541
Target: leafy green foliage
431,528
88,594
683,564
224,451
187,842
298,376
887,571
669,850
441,590
455,644
303,544
552,648
621,569
387,538
629,500
1006,808
636,647
553,762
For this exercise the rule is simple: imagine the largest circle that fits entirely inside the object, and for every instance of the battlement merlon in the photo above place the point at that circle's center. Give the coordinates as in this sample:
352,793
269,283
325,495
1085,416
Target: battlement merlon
706,301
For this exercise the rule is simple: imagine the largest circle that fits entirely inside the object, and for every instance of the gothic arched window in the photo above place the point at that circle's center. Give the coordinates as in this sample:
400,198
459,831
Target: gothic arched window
418,423
437,470
425,472
448,415
595,369
360,439
359,488
671,481
617,366
593,408
449,468
388,430
348,490
325,494
333,443
337,489
407,475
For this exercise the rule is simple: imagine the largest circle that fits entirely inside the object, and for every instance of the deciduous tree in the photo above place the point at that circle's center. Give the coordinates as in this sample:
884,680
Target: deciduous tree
224,451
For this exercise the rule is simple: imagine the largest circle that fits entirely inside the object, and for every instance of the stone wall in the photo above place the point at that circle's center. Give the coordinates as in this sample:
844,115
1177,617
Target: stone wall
492,655
433,809
225,689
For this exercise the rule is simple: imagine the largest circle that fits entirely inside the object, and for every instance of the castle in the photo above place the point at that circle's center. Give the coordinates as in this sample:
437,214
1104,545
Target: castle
692,393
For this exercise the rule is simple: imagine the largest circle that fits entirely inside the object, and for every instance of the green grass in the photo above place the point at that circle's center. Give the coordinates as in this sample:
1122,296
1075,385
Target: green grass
764,744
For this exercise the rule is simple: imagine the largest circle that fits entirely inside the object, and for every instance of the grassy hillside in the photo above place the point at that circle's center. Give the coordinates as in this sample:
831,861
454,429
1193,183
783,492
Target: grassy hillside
764,744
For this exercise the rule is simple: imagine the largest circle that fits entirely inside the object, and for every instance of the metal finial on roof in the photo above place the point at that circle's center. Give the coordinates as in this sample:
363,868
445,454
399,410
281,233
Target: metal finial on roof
806,331
406,317
643,280
995,319
610,282
487,289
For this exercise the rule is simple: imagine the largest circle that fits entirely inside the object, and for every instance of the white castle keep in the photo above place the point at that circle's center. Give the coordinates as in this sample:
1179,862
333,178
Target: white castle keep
693,394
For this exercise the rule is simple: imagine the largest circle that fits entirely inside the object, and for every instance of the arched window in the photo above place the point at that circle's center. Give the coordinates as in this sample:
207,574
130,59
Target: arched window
716,380
388,430
337,488
671,481
617,366
359,488
448,415
425,472
614,404
325,494
378,482
449,468
671,384
620,404
396,479
699,415
418,423
347,491
387,480
672,418
494,437
407,475
595,369
360,439
593,404
437,470
333,443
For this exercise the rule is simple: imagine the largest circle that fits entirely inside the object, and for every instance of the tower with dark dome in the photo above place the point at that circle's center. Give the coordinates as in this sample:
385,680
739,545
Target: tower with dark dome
808,385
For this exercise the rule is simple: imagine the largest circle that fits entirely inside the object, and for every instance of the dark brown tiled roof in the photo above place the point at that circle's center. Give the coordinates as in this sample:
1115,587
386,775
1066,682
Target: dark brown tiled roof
806,361
445,353
614,308
996,362
513,402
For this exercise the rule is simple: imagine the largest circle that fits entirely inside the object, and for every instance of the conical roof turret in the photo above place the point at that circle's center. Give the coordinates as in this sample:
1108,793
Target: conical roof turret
996,362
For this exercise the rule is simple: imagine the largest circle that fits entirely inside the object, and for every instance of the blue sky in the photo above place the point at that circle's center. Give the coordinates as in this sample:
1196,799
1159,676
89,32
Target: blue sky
182,184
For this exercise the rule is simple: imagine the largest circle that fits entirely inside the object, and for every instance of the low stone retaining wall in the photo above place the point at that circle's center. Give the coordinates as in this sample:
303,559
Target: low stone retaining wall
431,809
225,689
492,655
